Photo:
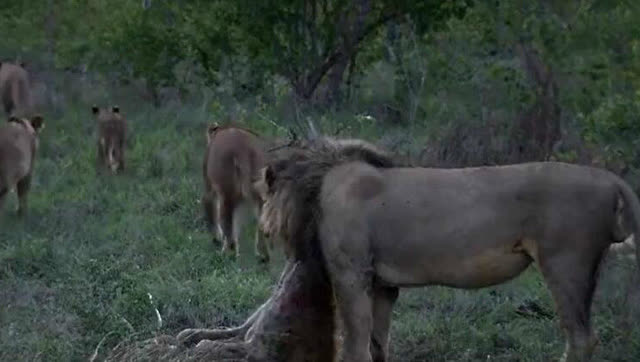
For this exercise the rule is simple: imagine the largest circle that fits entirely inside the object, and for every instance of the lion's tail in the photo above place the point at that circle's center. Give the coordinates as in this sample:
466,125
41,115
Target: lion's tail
242,175
21,95
633,207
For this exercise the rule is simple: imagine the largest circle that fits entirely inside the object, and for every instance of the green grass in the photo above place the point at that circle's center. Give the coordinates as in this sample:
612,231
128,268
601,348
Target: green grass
93,247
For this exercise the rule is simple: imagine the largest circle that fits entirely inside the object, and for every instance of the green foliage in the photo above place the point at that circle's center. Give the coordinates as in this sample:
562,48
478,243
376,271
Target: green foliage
615,124
297,39
440,76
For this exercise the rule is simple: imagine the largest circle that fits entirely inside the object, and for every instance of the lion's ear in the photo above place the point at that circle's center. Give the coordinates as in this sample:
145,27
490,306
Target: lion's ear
95,109
211,129
14,119
115,109
37,122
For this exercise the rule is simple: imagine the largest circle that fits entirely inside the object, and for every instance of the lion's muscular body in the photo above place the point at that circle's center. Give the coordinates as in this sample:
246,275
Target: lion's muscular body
476,226
381,227
112,136
232,160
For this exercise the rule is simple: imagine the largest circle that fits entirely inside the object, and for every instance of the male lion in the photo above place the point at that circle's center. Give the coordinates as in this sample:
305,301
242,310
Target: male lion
112,130
381,228
18,146
233,157
15,91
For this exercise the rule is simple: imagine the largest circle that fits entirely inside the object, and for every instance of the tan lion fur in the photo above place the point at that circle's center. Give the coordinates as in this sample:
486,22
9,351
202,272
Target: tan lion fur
232,160
15,90
291,183
112,133
379,228
18,147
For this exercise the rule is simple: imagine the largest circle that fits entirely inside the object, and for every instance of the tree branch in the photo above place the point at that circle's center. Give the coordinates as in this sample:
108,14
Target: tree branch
311,81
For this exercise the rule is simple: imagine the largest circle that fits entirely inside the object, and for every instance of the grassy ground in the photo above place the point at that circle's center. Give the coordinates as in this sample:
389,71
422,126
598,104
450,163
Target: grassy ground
81,267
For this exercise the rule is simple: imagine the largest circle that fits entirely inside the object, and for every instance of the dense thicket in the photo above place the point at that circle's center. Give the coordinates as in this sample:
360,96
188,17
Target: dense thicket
473,82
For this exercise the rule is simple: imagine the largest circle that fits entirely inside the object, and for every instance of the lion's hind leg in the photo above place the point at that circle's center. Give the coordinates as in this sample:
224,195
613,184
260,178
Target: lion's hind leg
22,189
209,207
261,247
571,277
226,210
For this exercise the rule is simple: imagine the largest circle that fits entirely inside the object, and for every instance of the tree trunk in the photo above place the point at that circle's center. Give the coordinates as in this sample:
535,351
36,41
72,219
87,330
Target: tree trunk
353,30
333,90
295,324
538,127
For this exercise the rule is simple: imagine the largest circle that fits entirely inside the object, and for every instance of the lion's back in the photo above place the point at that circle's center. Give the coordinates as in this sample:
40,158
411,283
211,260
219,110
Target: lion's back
14,88
233,144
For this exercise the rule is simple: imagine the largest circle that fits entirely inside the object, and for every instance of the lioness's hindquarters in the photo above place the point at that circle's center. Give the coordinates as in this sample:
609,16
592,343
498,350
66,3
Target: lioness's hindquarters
15,90
232,160
112,128
18,146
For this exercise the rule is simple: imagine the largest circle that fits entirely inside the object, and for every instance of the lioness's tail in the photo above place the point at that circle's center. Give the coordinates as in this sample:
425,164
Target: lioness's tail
242,175
632,205
22,102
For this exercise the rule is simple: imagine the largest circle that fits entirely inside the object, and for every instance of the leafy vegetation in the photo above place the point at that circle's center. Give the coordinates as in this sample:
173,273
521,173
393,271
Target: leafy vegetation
445,82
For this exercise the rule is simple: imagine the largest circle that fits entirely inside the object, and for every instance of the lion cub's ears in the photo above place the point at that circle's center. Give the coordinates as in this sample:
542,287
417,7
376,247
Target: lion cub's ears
37,122
115,109
95,109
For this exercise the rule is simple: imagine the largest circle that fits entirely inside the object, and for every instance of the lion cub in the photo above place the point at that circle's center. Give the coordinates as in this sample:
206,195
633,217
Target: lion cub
112,129
18,146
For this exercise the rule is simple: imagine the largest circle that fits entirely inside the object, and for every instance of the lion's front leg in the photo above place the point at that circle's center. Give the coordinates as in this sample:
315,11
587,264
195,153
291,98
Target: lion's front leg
384,298
354,303
352,288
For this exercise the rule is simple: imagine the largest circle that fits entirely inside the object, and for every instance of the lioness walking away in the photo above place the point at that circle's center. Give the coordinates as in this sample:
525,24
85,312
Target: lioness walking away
112,130
18,145
15,91
232,160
